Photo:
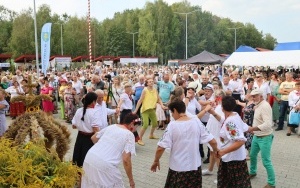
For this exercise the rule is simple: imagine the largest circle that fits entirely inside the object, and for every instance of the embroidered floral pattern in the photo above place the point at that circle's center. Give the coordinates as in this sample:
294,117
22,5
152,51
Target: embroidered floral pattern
232,130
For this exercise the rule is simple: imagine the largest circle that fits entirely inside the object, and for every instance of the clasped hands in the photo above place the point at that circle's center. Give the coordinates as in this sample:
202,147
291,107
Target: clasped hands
218,153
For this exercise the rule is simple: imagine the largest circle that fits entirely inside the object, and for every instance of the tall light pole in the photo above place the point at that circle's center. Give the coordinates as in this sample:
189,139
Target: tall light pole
186,14
36,43
132,41
235,28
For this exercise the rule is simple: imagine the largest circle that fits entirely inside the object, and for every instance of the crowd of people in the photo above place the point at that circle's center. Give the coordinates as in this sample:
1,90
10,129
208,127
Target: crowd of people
232,111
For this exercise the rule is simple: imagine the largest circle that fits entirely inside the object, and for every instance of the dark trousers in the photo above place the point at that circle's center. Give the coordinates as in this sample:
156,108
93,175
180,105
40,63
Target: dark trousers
201,147
283,108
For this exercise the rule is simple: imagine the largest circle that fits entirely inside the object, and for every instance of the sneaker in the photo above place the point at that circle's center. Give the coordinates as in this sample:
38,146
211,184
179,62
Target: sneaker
215,181
206,172
278,129
141,143
206,161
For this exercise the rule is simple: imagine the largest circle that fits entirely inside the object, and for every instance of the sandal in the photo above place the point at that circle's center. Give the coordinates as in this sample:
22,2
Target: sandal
163,128
141,143
153,137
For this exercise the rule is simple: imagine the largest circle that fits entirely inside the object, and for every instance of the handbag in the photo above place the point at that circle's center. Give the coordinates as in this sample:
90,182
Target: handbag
294,118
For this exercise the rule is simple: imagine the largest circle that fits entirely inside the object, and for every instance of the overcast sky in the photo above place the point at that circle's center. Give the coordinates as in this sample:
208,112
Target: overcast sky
280,18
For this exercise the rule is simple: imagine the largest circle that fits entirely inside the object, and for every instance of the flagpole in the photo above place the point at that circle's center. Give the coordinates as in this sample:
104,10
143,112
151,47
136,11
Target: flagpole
90,34
36,43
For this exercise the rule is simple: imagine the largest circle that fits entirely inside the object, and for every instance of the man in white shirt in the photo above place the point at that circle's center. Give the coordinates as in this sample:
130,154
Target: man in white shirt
263,85
207,99
226,86
102,111
238,90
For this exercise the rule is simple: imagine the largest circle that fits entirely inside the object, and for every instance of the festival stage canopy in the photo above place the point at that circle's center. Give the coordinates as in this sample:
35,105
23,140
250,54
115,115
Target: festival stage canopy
268,58
204,57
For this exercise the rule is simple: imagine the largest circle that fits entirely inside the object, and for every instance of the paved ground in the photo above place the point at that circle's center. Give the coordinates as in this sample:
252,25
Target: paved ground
285,156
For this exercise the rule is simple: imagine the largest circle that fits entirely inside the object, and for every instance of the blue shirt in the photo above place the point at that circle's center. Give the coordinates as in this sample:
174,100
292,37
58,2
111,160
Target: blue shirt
165,90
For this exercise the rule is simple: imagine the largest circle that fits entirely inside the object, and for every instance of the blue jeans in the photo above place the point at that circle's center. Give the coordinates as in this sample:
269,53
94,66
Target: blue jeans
282,111
264,145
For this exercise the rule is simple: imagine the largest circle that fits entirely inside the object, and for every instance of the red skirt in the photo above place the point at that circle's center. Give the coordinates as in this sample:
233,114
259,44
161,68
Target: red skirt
16,108
48,106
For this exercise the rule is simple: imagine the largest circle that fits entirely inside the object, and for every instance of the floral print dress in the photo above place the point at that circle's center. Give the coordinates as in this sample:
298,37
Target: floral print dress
69,102
248,119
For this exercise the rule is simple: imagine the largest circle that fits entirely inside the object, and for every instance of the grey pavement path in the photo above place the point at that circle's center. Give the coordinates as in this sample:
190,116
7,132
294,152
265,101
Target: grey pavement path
285,157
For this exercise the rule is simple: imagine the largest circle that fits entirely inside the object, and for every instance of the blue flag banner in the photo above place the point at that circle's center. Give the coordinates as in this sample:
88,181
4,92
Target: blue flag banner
45,46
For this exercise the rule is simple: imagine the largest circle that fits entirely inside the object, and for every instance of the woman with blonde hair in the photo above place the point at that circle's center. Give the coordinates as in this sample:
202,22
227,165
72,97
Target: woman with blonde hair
148,100
117,90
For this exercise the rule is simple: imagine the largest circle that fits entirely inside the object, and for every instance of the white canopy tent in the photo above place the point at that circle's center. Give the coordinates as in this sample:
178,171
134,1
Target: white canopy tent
138,60
269,58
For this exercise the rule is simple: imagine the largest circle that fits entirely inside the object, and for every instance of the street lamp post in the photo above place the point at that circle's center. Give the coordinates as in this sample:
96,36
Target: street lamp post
235,28
132,41
36,43
186,14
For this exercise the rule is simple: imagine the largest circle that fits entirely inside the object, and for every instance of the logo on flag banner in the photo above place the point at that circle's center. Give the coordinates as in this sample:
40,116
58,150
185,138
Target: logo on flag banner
45,46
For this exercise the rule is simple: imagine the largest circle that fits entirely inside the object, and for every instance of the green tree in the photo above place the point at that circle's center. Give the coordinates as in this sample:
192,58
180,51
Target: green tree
6,24
22,39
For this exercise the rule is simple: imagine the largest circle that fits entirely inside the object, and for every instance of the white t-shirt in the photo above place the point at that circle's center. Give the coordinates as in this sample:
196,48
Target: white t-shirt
232,130
183,139
237,85
205,118
77,86
192,106
90,120
102,112
127,102
264,87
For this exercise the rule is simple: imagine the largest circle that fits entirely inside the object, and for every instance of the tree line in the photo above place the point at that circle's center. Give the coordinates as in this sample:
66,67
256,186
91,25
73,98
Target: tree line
161,32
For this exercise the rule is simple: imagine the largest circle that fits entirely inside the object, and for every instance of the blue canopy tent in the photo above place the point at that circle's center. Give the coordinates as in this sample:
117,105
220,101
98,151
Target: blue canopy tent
287,46
243,48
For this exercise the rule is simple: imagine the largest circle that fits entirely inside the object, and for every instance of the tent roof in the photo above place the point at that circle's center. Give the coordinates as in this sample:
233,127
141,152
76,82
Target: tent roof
101,58
25,58
204,57
81,58
243,48
268,58
5,56
287,46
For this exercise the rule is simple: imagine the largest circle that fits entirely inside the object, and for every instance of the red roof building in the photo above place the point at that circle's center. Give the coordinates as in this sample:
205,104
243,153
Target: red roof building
81,58
25,59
